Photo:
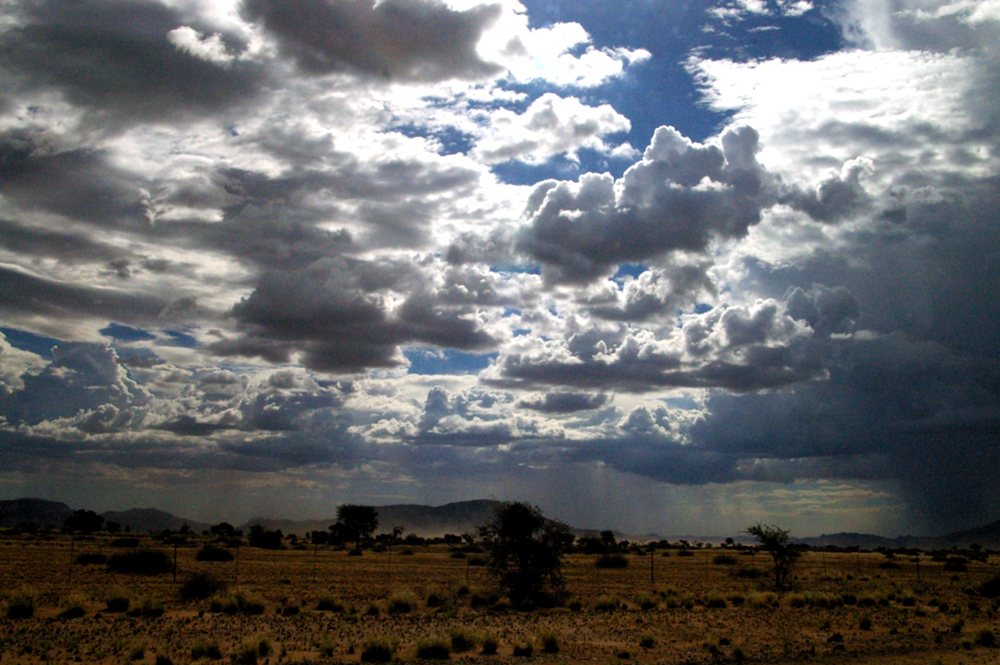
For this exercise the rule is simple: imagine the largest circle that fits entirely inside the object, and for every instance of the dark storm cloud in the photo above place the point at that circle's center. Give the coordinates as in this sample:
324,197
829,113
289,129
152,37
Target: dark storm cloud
403,40
677,198
186,425
65,246
895,408
336,314
79,183
22,293
564,402
114,57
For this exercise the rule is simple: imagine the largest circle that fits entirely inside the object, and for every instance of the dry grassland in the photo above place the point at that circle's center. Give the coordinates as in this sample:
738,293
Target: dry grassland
842,608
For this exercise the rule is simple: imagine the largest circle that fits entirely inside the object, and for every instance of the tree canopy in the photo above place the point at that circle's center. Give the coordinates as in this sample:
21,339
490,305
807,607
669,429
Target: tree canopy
356,522
775,541
84,521
524,552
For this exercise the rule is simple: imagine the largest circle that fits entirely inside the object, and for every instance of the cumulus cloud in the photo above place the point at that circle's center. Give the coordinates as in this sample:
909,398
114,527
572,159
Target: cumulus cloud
680,196
552,125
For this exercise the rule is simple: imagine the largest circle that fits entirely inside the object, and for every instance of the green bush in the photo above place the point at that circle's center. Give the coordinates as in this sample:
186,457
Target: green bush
724,560
524,650
73,608
117,599
140,562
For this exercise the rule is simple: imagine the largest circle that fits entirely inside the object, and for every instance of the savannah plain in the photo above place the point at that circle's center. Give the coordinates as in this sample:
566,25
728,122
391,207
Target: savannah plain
427,602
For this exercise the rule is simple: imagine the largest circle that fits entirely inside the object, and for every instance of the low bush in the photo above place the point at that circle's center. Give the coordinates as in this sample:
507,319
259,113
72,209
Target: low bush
724,560
524,650
549,641
645,602
125,542
117,599
21,603
747,572
462,640
148,608
329,603
865,622
90,559
685,553
206,649
378,650
433,648
73,608
201,585
990,588
647,641
238,601
140,562
715,602
209,552
258,646
606,604
402,602
490,645
611,561
985,637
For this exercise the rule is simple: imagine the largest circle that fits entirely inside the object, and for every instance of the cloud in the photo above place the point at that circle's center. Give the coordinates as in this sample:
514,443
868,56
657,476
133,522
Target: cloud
339,314
738,348
551,126
564,402
679,197
113,60
400,40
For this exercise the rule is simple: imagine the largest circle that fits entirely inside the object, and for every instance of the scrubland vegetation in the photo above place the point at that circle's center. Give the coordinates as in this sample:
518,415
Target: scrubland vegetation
318,603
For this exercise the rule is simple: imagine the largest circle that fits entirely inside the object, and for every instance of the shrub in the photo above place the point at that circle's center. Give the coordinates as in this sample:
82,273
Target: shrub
462,640
747,572
329,603
125,542
21,603
73,608
141,562
647,642
378,650
715,602
477,561
606,604
986,638
956,564
162,659
611,561
238,601
524,650
206,649
402,602
990,588
258,646
433,648
209,552
685,553
490,644
117,600
201,585
147,607
865,622
90,559
724,560
645,602
549,641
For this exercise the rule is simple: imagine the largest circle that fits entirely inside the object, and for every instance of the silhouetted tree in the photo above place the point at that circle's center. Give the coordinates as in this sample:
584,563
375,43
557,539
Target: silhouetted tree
83,521
524,551
265,538
775,542
356,522
224,530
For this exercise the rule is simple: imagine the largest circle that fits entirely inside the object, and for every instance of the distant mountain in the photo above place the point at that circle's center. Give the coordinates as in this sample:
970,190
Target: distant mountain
37,511
427,521
986,536
151,519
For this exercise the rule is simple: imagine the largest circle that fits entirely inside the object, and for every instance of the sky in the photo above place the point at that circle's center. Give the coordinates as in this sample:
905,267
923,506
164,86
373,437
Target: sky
669,267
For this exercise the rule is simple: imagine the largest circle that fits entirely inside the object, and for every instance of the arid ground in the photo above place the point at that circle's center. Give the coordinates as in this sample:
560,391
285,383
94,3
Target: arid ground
322,605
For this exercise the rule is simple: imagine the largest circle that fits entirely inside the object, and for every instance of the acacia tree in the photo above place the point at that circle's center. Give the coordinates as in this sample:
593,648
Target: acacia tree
775,541
524,551
356,522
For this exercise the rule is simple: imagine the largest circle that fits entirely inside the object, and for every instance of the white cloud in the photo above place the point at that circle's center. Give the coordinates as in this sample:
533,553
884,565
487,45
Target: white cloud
210,47
552,125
